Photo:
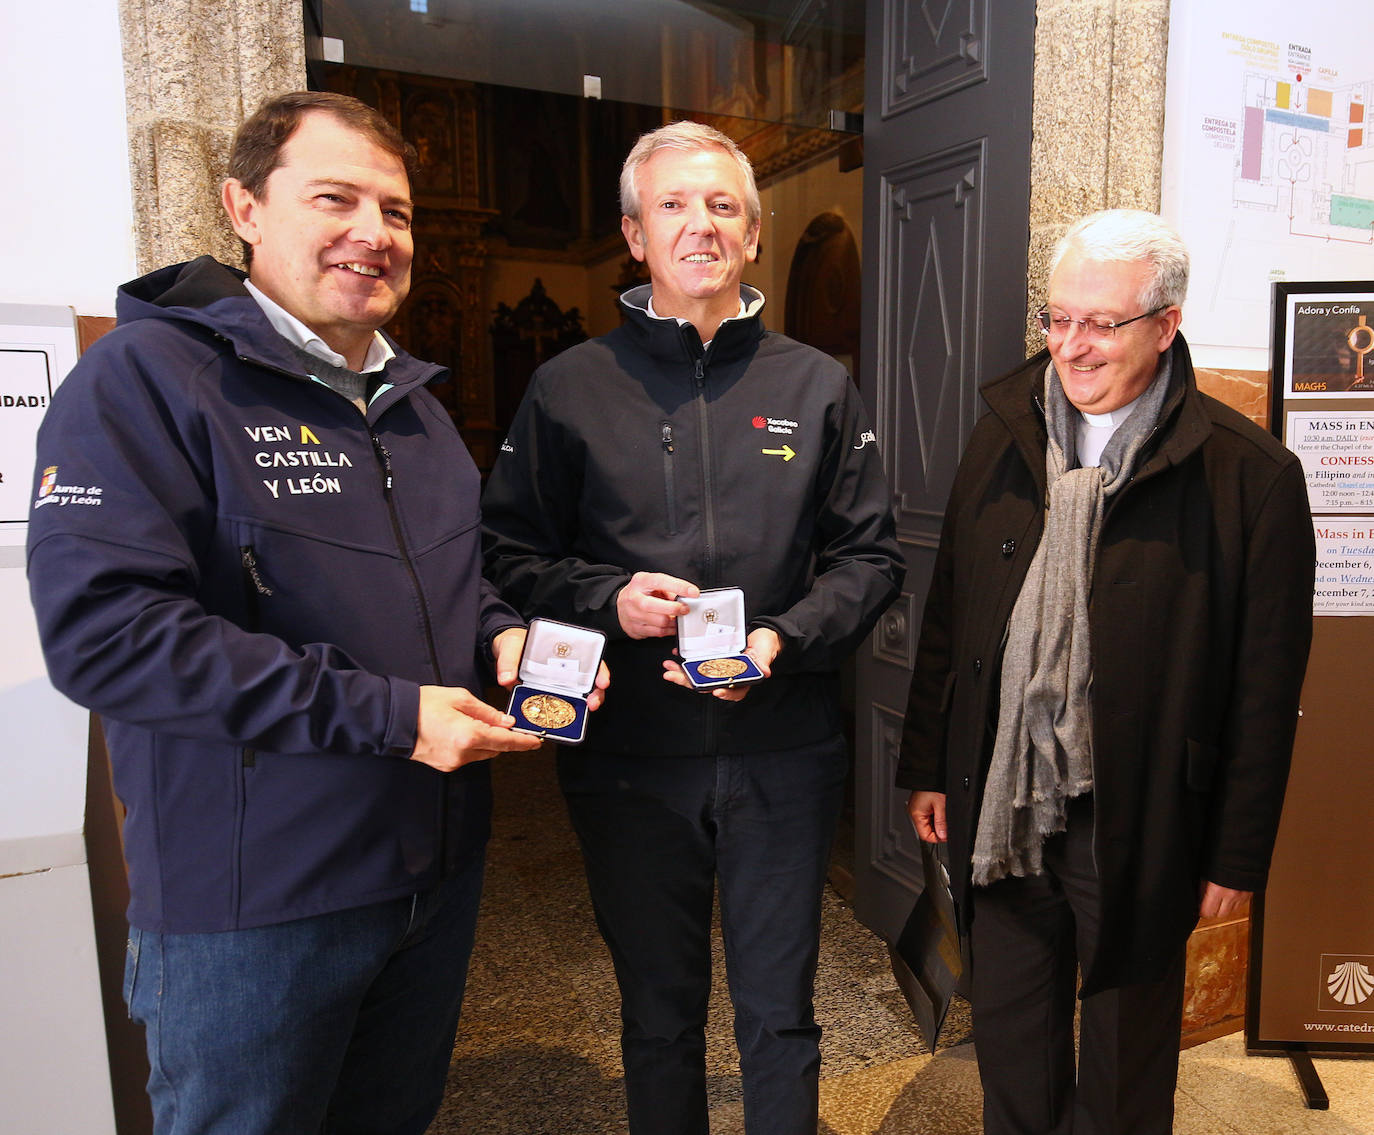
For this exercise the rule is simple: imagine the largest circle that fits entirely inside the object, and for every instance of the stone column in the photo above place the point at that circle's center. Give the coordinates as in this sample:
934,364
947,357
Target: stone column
1097,121
193,70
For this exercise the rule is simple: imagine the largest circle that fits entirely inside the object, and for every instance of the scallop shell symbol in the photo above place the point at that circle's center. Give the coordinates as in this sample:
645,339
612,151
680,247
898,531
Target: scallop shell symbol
1350,983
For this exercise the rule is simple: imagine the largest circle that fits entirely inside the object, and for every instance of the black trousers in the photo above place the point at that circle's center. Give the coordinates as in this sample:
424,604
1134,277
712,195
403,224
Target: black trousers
1028,935
658,835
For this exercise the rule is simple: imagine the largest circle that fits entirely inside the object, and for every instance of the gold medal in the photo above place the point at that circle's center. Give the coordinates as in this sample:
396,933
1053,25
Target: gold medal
710,615
722,667
548,712
562,650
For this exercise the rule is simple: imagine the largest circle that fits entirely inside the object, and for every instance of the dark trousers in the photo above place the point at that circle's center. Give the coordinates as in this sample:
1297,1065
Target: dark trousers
657,833
1027,938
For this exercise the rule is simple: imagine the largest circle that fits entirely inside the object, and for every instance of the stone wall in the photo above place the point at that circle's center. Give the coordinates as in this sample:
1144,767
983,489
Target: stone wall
1098,119
193,69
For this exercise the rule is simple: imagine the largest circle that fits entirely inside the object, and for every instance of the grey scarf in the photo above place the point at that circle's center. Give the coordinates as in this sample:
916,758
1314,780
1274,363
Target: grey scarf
1043,753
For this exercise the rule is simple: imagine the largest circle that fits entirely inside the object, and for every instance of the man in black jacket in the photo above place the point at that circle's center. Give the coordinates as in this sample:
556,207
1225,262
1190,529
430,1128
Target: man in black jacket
1105,692
690,449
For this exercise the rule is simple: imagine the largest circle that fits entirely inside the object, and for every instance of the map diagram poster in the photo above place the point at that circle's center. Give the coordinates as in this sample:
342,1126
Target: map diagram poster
1268,160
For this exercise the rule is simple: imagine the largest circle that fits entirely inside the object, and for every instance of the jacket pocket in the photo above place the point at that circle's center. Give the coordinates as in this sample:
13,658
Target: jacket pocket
1202,764
669,488
253,587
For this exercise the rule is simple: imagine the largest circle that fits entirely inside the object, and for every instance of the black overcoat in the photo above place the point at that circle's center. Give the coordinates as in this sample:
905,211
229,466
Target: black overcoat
1200,620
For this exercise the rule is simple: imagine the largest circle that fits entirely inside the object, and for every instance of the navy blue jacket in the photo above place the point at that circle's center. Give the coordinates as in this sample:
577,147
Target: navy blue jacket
248,579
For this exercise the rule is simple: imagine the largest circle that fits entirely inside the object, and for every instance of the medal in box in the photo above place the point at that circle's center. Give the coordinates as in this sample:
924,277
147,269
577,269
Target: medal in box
711,640
557,671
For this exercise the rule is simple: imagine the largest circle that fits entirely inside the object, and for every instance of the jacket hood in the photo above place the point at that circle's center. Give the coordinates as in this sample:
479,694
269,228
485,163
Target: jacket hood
211,295
664,338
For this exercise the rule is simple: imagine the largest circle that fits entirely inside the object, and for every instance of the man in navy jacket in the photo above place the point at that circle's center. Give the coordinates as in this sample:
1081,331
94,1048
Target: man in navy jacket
254,552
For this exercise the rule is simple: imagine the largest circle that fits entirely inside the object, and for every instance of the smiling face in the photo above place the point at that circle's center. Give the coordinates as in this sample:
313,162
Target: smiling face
693,233
1100,374
331,232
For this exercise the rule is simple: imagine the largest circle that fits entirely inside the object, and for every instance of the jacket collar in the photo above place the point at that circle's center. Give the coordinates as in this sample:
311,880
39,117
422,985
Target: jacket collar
1184,422
664,338
211,295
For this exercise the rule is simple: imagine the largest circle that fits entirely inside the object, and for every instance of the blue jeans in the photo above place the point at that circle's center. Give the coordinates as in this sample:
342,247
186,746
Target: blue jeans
339,1023
657,833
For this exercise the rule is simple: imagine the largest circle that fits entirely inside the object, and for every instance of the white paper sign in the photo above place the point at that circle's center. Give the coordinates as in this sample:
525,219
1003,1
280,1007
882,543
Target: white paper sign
1337,454
37,349
1345,567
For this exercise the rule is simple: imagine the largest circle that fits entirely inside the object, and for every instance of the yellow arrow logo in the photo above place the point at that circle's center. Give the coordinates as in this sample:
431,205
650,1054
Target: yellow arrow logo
786,452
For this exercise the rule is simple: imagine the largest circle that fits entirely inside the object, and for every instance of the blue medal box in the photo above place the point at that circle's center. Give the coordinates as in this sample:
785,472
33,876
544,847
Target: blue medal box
557,672
711,640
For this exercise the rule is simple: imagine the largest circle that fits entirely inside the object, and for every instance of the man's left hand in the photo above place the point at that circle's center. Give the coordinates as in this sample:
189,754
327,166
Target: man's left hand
1218,900
763,645
507,646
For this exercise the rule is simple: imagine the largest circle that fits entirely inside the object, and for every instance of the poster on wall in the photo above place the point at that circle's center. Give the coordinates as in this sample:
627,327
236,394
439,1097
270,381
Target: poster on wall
1268,170
1311,975
1345,567
1328,339
37,348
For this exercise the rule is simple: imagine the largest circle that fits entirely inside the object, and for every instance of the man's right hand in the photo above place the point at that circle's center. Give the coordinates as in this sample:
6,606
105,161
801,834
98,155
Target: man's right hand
456,729
648,605
927,812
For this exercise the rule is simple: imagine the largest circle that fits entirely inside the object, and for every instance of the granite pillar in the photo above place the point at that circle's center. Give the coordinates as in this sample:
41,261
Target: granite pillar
193,70
1097,120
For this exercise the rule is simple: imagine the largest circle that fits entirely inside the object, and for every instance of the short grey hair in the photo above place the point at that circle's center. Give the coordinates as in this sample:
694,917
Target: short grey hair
1133,235
686,135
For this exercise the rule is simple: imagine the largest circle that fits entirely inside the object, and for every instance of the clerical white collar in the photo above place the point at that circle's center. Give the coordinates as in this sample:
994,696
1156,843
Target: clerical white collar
1112,418
379,351
1096,430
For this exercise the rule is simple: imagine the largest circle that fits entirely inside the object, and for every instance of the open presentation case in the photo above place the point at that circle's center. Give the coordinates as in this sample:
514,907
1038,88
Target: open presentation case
711,640
557,671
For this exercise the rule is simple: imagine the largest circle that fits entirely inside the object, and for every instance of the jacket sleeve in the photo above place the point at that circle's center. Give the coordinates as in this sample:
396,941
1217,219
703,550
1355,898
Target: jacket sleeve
921,762
494,615
1274,636
859,567
530,512
116,588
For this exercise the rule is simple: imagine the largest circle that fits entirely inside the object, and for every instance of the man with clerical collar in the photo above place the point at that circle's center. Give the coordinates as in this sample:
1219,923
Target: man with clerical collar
691,449
271,593
1105,693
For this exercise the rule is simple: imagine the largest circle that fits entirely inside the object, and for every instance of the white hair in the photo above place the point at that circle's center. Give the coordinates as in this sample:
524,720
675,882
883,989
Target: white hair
1133,235
686,135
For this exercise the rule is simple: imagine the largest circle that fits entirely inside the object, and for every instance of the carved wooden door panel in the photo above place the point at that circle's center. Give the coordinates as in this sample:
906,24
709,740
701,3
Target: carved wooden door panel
946,220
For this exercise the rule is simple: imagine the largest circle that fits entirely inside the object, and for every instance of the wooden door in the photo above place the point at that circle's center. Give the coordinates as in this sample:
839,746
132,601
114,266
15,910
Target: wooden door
947,134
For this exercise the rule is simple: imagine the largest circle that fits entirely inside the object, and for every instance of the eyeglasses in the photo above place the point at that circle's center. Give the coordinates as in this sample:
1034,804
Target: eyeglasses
1098,328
